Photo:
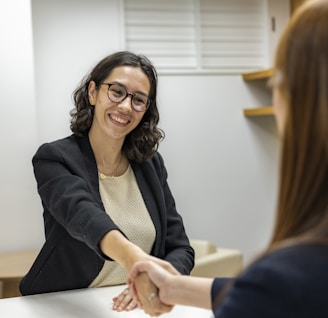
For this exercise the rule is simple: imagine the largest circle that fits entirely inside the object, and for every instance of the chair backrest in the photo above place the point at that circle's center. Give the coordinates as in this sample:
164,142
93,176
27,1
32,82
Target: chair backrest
214,261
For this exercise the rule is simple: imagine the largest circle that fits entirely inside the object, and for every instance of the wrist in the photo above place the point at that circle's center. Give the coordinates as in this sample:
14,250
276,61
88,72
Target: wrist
117,247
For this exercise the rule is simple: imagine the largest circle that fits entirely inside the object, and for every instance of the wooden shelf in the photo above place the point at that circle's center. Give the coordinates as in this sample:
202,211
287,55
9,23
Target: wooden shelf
262,74
259,111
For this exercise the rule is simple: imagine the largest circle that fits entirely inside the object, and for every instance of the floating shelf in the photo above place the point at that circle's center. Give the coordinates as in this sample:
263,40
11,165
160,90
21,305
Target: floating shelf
262,74
258,75
260,111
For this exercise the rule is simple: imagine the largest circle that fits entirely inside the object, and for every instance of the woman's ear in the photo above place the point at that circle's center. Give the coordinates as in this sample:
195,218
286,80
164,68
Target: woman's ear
92,91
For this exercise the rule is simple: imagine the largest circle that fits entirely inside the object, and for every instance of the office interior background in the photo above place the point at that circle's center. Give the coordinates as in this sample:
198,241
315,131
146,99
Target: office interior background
222,166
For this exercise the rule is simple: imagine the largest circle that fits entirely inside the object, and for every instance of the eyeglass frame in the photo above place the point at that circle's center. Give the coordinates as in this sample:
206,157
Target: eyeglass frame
126,95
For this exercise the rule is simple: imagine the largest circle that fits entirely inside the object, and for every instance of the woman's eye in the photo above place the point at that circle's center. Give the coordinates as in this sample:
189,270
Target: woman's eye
139,100
117,92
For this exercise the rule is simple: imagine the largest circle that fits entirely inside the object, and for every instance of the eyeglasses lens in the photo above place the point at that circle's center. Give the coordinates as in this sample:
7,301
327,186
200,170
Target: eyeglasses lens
118,93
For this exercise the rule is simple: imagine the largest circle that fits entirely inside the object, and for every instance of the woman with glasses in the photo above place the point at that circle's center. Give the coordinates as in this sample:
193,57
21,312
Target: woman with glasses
104,190
290,278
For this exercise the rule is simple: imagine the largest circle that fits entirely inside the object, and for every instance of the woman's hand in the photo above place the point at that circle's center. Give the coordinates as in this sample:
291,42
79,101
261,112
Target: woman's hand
153,301
125,301
128,299
147,294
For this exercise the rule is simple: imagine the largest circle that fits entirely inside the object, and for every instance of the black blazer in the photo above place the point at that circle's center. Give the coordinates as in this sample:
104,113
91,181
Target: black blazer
288,283
75,219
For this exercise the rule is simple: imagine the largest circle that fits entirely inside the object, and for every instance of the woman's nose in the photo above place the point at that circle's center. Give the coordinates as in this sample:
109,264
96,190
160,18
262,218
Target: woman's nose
126,103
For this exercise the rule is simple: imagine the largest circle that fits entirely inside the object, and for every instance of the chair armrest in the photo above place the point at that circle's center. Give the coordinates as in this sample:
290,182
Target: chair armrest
222,263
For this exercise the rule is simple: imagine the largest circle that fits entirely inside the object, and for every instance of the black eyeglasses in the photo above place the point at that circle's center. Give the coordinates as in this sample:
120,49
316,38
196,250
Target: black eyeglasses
117,93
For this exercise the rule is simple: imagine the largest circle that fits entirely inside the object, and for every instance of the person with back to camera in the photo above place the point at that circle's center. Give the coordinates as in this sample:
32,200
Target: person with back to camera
289,279
104,190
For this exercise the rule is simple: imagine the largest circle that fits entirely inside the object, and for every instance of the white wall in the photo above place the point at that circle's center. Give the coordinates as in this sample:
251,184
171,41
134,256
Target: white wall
222,166
69,38
20,223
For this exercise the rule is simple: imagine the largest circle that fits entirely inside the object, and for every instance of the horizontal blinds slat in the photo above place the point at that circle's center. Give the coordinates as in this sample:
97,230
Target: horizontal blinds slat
159,5
180,49
177,62
231,5
158,33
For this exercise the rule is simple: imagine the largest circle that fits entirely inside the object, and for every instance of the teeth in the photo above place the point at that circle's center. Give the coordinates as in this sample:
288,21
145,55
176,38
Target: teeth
119,119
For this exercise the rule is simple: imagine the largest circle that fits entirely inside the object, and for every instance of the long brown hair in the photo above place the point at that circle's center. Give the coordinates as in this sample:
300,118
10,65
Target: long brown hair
302,64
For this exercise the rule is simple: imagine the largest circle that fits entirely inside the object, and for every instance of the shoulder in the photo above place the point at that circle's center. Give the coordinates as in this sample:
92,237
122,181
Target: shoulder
155,162
299,257
152,169
60,143
292,278
296,272
61,146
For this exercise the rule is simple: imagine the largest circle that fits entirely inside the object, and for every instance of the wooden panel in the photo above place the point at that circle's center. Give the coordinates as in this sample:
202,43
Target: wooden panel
263,74
260,111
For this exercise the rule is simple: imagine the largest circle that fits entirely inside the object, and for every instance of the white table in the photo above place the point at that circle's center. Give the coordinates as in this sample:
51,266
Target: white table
82,303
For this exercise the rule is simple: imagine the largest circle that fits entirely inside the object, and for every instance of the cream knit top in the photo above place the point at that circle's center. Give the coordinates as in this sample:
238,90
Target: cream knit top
124,204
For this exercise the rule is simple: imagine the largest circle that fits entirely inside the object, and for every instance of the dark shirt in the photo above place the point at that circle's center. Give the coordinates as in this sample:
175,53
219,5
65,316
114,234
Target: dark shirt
288,283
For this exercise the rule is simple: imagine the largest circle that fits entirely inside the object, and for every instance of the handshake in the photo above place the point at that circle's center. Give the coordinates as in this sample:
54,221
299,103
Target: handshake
149,283
158,286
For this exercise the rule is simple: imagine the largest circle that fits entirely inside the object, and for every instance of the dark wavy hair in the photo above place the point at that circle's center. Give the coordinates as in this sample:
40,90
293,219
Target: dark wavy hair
141,143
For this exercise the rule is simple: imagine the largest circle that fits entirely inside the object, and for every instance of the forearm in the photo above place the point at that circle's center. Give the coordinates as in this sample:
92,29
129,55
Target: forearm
116,246
190,291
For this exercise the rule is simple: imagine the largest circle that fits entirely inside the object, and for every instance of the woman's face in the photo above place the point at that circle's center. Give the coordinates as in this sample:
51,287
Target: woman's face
115,120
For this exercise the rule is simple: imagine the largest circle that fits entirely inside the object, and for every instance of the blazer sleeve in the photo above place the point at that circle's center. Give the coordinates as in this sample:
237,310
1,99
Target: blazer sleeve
68,195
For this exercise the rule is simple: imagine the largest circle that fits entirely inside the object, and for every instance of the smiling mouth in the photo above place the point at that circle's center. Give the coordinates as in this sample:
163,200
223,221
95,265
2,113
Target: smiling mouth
119,119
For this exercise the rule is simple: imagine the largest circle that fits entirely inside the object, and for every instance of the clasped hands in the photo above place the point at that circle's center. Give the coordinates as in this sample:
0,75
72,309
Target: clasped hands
145,282
143,290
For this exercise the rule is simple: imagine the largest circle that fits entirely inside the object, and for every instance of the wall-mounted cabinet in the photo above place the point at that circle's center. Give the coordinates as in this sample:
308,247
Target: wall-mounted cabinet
259,76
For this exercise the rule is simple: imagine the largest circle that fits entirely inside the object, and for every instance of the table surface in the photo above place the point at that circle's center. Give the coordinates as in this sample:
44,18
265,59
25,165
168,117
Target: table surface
83,303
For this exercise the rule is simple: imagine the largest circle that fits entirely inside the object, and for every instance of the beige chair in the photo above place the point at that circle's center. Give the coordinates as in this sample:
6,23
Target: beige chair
213,261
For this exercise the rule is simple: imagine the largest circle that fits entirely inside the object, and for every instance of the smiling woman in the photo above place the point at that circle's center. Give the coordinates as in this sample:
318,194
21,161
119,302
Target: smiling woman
104,190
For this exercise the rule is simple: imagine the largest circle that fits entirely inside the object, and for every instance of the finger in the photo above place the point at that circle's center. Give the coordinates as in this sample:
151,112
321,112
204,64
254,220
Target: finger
122,300
121,295
133,304
133,291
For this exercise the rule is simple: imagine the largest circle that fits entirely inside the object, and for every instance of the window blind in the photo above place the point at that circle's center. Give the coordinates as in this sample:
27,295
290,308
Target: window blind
198,35
233,34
